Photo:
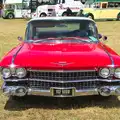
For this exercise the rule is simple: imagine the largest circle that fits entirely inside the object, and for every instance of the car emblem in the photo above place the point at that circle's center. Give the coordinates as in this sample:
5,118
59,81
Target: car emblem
62,63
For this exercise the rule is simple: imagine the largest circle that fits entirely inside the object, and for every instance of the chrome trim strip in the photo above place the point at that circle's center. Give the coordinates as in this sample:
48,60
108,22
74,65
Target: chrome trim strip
11,90
61,70
14,80
101,80
62,88
111,58
49,92
72,81
14,56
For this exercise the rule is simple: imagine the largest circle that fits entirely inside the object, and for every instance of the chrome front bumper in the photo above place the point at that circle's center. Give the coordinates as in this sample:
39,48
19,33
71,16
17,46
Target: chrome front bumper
104,91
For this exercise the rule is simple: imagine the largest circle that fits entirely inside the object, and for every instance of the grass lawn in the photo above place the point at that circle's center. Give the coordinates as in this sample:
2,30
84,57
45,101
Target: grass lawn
45,108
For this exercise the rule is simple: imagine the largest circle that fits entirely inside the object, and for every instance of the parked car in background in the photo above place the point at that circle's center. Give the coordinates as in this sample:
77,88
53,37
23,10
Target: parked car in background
103,9
57,8
12,9
29,7
61,57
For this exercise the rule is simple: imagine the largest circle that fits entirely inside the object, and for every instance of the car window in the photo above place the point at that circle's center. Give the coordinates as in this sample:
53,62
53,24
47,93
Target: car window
113,4
61,29
19,6
10,6
104,5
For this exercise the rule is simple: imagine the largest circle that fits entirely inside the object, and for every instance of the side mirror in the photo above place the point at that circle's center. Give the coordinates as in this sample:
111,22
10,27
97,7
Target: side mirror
20,38
99,36
104,38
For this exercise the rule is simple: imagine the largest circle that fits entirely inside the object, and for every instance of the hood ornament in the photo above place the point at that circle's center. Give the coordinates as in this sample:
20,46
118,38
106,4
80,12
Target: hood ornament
62,63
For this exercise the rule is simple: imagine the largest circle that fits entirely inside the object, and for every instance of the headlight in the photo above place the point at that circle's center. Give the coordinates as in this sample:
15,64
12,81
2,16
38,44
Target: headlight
21,72
104,72
6,73
117,73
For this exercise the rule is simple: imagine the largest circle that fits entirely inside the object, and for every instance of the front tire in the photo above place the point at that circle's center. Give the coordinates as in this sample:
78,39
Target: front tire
118,17
10,16
43,15
91,16
64,14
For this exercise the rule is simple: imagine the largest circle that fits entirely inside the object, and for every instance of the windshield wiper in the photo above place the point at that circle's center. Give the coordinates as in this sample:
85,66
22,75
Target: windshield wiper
63,39
42,40
80,39
37,41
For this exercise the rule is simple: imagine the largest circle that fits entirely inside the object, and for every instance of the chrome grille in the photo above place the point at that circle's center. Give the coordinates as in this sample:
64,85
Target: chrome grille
63,76
78,85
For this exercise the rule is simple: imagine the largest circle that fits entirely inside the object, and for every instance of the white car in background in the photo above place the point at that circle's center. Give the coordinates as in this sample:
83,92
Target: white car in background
55,8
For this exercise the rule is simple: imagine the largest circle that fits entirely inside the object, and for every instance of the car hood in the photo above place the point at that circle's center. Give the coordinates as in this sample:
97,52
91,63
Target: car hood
62,56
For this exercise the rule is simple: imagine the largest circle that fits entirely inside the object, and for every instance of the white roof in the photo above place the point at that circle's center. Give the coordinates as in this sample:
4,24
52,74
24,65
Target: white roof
61,18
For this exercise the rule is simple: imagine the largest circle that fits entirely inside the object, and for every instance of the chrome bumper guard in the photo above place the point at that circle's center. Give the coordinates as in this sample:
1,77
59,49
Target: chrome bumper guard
22,91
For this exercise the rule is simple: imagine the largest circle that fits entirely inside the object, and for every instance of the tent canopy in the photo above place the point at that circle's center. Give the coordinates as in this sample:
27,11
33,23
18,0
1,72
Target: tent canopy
91,1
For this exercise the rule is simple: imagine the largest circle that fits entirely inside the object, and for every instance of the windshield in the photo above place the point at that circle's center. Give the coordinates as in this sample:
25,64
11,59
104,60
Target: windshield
89,4
72,30
27,4
9,6
49,2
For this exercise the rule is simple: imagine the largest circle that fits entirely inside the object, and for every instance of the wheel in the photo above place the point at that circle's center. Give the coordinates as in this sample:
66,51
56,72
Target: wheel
10,16
91,16
3,17
43,15
64,14
118,17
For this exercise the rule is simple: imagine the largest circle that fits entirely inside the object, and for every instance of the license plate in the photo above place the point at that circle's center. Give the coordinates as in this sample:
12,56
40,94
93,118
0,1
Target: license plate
62,92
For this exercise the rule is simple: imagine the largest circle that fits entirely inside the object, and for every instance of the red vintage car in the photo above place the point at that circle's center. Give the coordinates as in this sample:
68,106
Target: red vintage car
61,57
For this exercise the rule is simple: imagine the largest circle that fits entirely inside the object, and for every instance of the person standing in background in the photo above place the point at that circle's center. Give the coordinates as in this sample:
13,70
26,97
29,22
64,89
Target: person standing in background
80,13
1,7
69,12
0,12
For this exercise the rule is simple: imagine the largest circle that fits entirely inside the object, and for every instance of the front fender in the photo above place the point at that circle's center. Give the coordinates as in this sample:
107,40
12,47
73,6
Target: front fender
9,11
118,16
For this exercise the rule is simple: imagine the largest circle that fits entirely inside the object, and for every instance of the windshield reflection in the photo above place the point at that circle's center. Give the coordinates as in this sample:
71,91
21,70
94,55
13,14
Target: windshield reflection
69,31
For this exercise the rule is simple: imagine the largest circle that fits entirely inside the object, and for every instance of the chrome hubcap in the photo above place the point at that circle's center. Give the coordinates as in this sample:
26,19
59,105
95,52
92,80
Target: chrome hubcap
10,16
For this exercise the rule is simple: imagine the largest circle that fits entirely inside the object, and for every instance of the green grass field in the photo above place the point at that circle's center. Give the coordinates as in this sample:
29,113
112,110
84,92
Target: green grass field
44,108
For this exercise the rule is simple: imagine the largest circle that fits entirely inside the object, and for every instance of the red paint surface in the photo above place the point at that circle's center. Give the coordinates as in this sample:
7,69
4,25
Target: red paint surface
47,56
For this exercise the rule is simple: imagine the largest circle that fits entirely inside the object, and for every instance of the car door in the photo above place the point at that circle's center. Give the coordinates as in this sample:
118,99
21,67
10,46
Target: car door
114,9
96,13
104,12
18,11
93,9
108,11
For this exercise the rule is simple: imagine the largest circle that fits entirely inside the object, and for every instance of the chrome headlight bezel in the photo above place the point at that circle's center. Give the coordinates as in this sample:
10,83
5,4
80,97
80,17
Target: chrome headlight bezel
104,72
21,72
6,75
117,73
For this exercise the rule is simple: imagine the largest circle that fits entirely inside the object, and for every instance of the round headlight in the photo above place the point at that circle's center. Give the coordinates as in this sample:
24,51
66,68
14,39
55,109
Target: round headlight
6,73
104,72
117,73
21,72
